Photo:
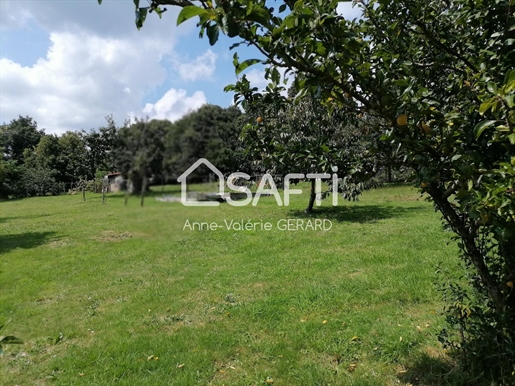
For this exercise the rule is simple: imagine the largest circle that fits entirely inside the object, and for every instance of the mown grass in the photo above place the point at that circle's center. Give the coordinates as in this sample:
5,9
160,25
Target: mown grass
106,294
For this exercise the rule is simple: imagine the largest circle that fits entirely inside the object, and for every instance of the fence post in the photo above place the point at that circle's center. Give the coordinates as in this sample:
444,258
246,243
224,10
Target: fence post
105,182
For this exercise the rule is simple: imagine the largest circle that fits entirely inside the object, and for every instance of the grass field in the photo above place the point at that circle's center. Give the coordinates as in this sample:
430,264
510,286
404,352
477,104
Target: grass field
104,294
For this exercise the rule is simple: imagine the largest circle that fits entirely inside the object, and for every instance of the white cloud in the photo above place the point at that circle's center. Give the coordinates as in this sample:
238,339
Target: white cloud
82,79
257,78
202,67
112,18
174,104
97,63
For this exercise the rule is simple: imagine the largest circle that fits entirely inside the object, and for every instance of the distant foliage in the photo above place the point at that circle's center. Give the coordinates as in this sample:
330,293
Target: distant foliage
36,164
100,145
40,181
139,151
156,151
18,135
302,135
210,132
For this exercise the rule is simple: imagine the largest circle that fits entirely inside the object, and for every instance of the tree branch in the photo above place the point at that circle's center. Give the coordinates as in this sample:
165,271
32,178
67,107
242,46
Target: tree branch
178,3
438,43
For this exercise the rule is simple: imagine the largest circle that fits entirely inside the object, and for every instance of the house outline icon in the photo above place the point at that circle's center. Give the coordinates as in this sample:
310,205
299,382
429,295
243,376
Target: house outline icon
182,180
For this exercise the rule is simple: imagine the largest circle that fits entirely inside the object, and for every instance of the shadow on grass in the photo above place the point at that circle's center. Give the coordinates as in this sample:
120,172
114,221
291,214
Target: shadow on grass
428,370
26,240
28,217
359,214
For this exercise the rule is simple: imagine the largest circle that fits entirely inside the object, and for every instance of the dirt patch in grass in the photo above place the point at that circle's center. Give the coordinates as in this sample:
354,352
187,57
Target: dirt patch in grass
356,273
60,244
112,236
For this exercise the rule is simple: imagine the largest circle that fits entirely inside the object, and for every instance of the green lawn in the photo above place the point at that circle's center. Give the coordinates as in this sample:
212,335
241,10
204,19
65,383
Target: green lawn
105,294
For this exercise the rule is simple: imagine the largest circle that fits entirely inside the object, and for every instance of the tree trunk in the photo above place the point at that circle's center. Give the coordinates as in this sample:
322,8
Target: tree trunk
137,184
467,234
312,197
143,189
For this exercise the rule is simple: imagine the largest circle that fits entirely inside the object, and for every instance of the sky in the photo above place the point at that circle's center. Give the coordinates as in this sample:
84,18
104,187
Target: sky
70,63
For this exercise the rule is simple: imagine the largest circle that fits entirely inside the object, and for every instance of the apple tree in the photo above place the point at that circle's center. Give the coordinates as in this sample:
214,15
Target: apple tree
441,73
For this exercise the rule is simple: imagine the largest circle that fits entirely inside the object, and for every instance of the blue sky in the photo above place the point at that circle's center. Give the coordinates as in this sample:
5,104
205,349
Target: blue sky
70,63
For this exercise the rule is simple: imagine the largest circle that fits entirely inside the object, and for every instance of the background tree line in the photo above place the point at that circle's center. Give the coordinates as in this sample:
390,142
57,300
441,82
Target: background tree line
35,163
158,151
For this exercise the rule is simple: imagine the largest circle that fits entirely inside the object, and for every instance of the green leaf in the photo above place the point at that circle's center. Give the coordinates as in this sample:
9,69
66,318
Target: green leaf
99,1
213,32
136,3
511,137
259,15
423,92
485,106
246,63
282,8
401,83
491,87
273,74
159,11
232,28
510,77
235,45
229,87
189,12
482,126
235,60
141,15
509,82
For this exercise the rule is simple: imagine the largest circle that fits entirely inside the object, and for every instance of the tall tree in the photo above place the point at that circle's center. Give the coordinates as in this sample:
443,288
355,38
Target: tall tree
139,151
18,135
301,136
210,132
47,154
18,139
100,145
3,172
73,155
42,169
